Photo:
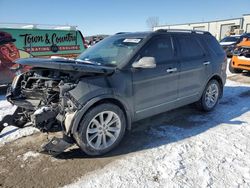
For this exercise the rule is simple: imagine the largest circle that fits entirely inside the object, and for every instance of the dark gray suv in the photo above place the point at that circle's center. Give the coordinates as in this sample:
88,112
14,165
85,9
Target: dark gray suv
124,78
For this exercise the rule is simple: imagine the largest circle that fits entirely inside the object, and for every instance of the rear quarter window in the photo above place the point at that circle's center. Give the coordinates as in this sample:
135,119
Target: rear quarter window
212,44
189,46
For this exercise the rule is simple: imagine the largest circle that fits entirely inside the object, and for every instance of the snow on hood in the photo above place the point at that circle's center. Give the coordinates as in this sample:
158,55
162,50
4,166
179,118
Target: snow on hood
226,43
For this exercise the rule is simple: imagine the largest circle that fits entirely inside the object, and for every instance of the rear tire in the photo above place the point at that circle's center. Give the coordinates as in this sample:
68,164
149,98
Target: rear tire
234,70
101,129
210,96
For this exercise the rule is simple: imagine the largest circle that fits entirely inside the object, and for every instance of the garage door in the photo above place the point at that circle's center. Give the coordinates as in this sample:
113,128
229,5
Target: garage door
224,30
248,28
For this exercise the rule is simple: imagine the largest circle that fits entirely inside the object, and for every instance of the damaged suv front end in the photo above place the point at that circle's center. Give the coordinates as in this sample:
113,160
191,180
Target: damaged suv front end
43,95
62,93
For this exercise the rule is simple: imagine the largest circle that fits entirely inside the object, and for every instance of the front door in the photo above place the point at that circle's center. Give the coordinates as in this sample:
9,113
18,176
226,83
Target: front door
155,89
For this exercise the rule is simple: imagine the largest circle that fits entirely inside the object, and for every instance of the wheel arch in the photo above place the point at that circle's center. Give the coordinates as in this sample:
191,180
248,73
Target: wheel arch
100,100
220,81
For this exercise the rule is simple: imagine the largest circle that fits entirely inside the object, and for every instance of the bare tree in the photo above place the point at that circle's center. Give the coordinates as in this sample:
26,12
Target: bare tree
152,22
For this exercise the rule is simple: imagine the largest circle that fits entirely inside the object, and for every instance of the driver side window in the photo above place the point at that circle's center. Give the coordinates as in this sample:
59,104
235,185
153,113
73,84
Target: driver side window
161,48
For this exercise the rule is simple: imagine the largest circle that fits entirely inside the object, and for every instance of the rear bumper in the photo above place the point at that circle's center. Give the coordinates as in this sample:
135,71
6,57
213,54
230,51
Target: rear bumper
240,62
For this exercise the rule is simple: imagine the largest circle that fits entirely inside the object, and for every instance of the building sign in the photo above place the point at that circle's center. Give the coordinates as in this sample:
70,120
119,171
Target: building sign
24,43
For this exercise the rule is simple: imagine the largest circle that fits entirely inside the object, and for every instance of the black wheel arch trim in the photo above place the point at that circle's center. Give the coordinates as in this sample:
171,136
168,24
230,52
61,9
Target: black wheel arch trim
219,79
78,116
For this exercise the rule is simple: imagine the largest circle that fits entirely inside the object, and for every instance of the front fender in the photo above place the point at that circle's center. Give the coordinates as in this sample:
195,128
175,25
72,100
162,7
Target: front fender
80,113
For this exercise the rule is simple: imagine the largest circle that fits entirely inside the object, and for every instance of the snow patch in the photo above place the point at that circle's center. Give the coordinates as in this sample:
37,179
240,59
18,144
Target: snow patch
214,154
6,108
12,133
30,154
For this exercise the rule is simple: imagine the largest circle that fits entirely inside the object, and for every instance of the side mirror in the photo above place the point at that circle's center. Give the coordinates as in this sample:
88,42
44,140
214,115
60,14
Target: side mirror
145,62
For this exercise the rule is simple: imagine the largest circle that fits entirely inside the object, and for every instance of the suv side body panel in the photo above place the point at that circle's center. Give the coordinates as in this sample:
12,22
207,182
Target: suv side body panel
155,89
193,72
146,92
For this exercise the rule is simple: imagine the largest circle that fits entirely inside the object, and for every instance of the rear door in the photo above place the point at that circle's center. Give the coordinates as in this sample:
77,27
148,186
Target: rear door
193,66
155,89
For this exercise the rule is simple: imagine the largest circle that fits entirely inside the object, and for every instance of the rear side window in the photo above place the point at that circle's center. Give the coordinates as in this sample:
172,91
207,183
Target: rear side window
189,46
213,44
161,48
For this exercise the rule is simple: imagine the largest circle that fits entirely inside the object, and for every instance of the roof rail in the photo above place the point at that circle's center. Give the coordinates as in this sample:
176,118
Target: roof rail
119,33
183,30
37,26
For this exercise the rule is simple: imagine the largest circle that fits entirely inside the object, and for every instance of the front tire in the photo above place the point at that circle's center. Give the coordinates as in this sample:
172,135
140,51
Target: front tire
101,129
210,96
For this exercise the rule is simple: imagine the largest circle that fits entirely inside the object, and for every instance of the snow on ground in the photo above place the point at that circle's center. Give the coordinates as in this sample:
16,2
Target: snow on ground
214,154
30,154
11,133
5,107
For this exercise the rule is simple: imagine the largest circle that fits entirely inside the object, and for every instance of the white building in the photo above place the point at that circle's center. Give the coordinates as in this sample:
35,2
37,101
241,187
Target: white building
218,28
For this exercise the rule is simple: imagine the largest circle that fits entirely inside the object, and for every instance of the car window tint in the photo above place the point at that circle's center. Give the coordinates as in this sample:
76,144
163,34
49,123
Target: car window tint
160,48
190,47
213,45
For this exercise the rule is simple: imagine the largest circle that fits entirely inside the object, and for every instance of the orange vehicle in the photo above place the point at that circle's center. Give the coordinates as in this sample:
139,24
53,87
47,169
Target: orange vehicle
241,57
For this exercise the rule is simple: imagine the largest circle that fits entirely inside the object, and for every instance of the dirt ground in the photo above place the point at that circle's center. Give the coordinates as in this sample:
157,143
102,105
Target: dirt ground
21,164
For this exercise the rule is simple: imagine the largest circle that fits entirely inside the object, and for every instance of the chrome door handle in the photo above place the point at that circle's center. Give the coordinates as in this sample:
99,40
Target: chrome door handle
171,70
206,63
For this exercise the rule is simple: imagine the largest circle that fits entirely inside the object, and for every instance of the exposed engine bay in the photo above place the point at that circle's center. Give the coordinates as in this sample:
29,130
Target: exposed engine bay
47,96
243,51
42,98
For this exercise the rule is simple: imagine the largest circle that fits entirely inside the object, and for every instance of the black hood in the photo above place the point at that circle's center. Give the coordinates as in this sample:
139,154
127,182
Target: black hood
65,64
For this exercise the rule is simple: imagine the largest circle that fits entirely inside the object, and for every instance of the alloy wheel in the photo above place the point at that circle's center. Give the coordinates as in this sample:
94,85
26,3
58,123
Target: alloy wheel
103,130
212,95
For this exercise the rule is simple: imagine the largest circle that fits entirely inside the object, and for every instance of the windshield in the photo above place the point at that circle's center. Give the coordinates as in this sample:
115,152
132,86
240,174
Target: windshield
111,51
230,39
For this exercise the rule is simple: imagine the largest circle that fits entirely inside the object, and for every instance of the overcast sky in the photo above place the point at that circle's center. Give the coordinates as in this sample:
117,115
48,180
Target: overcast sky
111,16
